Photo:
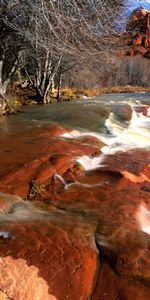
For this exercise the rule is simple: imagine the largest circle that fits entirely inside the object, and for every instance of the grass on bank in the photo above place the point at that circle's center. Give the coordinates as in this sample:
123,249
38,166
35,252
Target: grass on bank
18,96
67,94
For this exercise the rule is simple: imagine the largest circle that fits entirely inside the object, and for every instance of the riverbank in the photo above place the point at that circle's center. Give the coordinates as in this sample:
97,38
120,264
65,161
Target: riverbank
18,96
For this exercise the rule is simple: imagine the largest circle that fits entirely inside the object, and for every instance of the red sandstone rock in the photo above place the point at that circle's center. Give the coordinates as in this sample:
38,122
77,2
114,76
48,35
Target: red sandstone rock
111,286
91,140
139,25
62,162
142,109
57,249
39,160
43,260
138,40
44,172
146,186
69,177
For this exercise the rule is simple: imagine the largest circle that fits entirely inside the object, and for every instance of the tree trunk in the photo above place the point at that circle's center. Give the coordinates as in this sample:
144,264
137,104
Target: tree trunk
59,86
43,91
3,101
39,97
3,87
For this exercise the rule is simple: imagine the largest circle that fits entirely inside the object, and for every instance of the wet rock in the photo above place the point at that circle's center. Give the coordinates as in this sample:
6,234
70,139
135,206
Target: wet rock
140,178
8,202
91,140
110,286
134,263
69,177
133,291
62,162
59,246
135,162
107,284
53,130
122,111
141,109
44,172
146,187
49,260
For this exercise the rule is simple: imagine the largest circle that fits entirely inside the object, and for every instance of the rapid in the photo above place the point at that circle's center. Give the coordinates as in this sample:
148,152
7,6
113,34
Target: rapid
74,200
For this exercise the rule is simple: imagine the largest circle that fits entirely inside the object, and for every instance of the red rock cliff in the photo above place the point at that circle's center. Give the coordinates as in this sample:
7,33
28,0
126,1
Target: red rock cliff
138,28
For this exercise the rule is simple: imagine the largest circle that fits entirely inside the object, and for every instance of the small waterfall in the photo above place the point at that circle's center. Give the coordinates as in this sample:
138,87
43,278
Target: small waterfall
86,185
4,234
121,136
90,163
60,178
127,135
15,208
144,219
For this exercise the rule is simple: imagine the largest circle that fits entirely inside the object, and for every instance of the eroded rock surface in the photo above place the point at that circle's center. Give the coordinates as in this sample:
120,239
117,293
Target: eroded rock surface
139,30
86,236
52,257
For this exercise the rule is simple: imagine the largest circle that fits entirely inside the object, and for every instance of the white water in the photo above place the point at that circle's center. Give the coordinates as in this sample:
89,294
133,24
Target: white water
20,211
75,183
60,178
91,163
122,137
144,219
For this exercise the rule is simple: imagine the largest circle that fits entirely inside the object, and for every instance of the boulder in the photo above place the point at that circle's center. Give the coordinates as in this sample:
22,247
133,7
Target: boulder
141,109
122,111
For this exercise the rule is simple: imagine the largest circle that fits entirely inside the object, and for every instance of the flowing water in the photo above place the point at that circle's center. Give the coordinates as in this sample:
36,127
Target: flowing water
88,117
121,216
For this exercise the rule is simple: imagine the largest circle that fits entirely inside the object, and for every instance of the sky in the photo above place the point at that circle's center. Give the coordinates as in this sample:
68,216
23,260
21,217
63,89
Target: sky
130,6
135,3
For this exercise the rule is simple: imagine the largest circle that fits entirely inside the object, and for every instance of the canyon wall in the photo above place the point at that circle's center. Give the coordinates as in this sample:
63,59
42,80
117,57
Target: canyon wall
133,65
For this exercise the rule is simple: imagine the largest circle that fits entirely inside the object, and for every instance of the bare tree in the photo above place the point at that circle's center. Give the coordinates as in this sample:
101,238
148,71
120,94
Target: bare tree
58,32
9,48
68,29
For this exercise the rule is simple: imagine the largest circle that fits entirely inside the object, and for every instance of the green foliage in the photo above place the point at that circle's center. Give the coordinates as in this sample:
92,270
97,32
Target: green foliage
77,168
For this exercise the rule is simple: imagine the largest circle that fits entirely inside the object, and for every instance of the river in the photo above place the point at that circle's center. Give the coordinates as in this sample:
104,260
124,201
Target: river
84,232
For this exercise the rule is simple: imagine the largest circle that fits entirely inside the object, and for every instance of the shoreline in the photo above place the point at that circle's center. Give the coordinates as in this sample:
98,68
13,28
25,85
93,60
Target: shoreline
16,102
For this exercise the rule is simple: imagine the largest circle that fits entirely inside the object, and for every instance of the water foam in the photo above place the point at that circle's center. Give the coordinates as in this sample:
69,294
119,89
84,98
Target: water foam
90,163
121,137
144,219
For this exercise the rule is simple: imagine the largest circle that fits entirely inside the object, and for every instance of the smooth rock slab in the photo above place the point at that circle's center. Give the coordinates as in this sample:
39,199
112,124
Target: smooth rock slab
45,260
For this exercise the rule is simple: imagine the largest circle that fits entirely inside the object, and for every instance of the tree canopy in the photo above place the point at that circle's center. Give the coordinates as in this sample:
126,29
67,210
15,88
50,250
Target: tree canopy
46,38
